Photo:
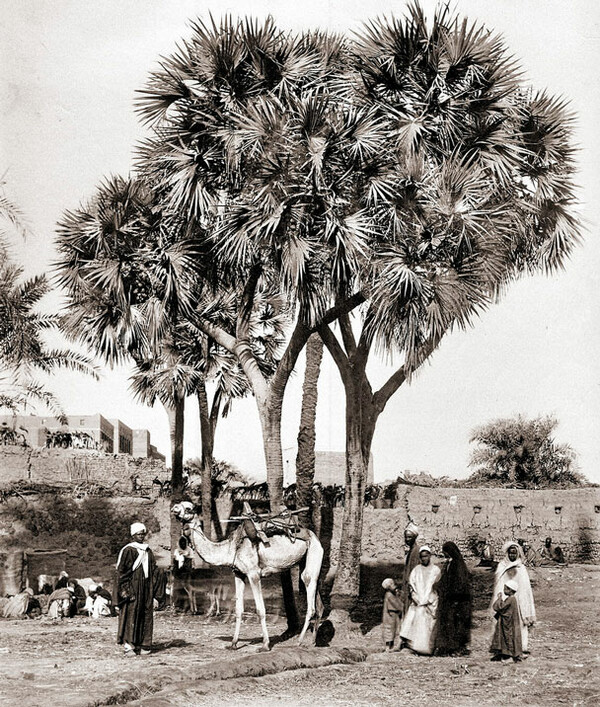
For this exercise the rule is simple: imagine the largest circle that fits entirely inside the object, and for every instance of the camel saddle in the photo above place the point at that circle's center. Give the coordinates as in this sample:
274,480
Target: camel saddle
261,527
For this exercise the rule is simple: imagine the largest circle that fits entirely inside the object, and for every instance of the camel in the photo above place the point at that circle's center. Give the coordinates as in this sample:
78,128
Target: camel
255,560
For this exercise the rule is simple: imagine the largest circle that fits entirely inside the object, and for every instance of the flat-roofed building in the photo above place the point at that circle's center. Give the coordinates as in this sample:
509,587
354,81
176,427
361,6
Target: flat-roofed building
80,430
330,467
141,444
122,437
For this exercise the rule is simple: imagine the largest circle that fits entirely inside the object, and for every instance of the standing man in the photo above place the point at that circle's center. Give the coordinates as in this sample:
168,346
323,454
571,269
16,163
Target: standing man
411,533
137,578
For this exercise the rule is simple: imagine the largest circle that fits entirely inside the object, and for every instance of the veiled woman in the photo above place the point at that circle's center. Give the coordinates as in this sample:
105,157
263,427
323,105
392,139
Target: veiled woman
512,567
452,632
417,626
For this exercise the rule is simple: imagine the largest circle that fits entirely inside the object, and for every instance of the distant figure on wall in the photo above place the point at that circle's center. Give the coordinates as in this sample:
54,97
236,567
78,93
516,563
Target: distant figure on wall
138,584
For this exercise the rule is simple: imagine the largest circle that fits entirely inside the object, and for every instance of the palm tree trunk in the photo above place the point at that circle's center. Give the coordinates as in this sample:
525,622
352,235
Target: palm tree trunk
270,418
347,581
207,436
175,413
305,460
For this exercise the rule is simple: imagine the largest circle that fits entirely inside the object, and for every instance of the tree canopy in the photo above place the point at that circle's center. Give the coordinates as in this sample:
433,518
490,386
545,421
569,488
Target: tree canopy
523,453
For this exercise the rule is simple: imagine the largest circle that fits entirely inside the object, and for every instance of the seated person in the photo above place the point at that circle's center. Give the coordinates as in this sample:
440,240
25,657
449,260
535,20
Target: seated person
18,606
531,557
99,602
551,555
484,551
63,578
78,597
59,603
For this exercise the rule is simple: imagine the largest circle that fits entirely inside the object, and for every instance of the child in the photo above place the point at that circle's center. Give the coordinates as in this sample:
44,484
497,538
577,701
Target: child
392,613
506,642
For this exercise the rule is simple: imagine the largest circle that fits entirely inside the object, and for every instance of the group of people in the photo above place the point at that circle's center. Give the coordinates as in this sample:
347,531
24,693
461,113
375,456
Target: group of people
70,598
430,613
66,598
549,555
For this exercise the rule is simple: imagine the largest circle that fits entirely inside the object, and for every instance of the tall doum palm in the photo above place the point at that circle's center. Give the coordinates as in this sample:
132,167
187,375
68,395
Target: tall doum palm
255,139
23,351
473,190
133,293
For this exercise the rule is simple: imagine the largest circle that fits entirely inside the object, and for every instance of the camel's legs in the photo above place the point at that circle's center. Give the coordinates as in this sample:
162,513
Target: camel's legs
239,608
310,577
256,587
311,591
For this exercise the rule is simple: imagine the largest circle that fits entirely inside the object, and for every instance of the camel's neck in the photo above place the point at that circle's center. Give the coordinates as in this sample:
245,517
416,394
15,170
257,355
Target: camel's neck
222,553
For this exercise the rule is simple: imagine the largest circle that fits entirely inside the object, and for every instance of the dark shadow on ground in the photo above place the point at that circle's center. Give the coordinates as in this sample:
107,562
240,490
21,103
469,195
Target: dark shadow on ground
168,645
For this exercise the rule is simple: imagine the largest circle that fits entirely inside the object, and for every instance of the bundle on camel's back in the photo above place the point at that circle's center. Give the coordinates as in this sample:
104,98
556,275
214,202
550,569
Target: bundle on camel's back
254,551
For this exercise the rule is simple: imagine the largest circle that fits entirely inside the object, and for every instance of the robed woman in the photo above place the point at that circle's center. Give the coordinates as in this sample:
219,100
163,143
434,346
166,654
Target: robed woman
452,632
138,584
512,567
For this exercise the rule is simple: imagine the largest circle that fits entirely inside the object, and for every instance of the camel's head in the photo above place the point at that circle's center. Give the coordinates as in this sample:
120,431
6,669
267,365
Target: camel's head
183,511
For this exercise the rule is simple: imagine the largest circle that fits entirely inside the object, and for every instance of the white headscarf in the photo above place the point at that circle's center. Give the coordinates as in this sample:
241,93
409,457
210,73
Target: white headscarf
412,528
142,548
137,528
516,571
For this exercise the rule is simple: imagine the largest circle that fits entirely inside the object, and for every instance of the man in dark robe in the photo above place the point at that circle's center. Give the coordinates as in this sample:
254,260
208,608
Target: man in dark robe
411,533
138,583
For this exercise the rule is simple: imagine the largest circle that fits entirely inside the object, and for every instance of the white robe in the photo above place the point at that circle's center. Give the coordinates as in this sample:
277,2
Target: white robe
417,626
518,573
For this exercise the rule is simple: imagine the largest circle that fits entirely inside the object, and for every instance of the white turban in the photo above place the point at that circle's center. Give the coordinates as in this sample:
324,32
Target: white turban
412,529
511,584
93,587
425,548
137,528
388,584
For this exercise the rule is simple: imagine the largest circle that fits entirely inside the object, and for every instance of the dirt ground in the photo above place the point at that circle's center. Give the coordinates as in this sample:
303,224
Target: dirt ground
75,663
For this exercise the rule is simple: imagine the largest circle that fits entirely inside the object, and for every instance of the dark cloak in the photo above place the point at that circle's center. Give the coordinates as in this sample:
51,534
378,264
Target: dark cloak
452,631
507,634
136,594
410,562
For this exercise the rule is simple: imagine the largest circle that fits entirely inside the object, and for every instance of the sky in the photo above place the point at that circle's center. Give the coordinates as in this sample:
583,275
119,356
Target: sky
69,70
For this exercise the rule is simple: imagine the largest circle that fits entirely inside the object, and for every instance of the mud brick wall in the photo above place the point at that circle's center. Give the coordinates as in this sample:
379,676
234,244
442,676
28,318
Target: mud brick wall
463,515
57,466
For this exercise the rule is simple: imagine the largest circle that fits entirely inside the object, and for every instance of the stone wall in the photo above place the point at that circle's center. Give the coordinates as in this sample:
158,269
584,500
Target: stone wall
571,518
58,466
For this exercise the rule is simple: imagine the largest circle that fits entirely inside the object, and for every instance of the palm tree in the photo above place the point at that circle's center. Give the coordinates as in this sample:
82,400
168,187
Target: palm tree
522,453
477,191
128,271
254,138
134,293
23,350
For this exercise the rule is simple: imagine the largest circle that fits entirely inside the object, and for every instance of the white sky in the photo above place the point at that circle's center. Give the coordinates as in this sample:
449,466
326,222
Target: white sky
68,73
